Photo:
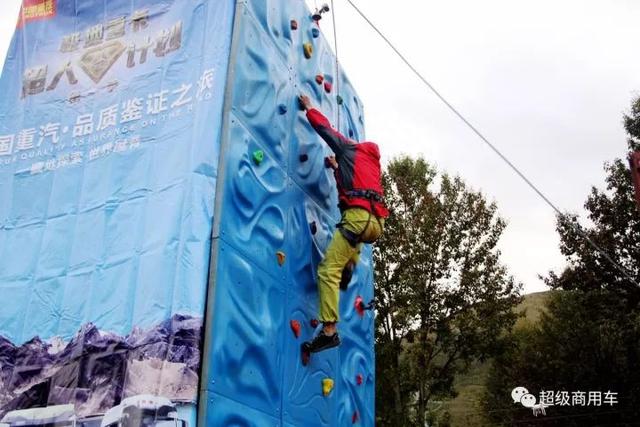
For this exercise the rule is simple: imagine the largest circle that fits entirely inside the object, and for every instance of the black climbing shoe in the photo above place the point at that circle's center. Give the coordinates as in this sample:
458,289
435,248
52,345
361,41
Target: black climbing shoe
347,275
323,342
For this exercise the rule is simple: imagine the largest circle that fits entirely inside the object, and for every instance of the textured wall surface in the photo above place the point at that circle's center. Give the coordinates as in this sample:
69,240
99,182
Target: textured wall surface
253,372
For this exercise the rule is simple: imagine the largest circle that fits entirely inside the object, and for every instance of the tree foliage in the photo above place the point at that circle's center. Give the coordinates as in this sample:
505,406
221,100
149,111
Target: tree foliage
590,338
444,298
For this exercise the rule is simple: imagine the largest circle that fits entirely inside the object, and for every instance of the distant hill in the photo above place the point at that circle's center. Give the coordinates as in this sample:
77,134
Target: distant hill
465,408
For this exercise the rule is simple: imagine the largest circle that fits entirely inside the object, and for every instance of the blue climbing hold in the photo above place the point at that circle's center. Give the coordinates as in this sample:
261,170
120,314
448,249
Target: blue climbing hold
282,109
315,32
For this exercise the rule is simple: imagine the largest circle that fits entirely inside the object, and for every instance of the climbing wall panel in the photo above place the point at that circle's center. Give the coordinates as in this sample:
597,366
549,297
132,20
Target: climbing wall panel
277,207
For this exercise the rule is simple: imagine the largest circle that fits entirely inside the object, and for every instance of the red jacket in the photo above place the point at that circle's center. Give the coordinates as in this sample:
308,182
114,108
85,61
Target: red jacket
358,170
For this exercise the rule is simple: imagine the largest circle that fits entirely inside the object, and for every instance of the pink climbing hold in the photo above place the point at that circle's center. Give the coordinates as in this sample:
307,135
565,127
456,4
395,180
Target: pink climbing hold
359,379
359,305
314,323
295,327
327,87
355,417
294,24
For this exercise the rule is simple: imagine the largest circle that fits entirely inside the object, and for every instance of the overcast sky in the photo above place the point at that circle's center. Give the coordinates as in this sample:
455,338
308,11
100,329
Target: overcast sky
547,81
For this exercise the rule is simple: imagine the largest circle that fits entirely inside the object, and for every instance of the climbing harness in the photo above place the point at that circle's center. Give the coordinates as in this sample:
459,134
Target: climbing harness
355,239
366,194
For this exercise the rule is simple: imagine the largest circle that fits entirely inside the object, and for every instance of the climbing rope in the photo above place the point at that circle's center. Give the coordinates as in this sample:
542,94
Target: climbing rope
576,227
335,48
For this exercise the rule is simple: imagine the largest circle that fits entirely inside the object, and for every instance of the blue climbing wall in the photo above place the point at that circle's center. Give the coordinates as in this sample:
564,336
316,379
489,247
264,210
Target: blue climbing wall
253,374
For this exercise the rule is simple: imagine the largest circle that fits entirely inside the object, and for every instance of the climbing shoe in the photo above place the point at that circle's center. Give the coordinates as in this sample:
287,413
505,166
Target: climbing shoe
347,274
323,342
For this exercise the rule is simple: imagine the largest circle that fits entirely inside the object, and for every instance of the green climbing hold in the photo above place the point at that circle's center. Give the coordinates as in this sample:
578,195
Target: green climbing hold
258,157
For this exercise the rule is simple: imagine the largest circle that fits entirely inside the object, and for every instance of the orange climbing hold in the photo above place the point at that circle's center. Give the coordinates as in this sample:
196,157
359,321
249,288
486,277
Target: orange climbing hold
281,258
308,50
295,327
327,386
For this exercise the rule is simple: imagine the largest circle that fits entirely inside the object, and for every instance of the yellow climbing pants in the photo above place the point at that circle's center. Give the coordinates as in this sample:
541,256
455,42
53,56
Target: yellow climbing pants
338,255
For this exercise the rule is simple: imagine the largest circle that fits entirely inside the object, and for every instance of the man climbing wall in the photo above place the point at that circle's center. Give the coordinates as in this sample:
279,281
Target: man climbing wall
359,180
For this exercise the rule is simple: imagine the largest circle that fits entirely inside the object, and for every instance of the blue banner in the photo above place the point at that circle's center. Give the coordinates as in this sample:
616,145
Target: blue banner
110,122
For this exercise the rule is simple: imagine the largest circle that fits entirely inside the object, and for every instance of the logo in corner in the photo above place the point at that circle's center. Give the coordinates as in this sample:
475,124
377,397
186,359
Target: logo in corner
34,10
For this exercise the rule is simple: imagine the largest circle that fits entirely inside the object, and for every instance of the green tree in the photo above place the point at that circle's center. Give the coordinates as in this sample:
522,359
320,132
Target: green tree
444,298
616,230
590,338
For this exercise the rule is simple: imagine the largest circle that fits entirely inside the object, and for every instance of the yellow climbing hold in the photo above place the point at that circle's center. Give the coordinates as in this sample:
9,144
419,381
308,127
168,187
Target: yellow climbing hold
327,386
308,50
281,258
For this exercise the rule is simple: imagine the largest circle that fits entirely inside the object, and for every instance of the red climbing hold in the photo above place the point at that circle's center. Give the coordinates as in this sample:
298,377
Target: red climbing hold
355,417
294,24
327,87
295,327
319,79
359,305
359,379
314,323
